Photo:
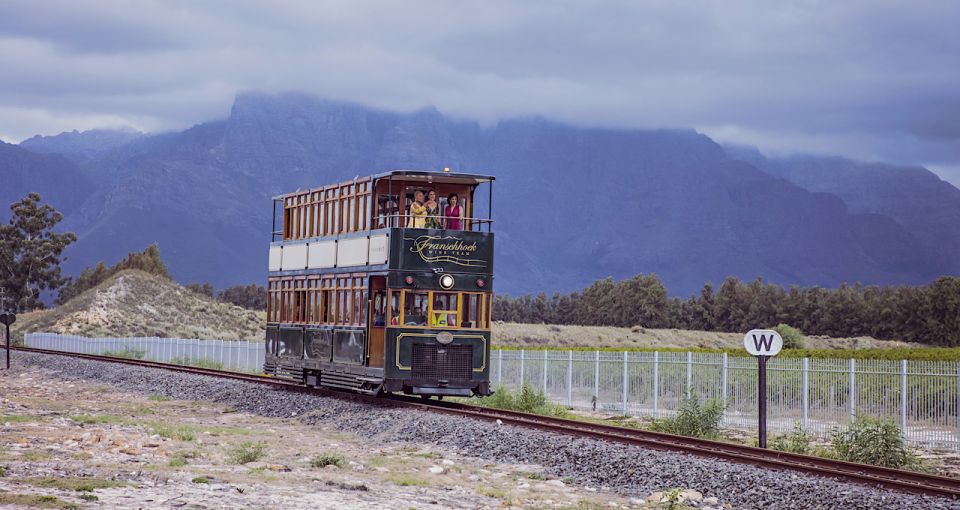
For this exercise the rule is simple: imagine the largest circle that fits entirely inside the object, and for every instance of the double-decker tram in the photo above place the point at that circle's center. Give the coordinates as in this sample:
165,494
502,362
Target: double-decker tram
384,284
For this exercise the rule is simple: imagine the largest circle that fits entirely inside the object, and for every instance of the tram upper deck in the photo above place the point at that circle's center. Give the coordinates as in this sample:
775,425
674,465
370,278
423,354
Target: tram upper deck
369,223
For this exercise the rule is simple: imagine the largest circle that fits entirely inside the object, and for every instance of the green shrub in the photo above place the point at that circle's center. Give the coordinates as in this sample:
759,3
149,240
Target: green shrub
247,452
3,471
328,459
178,462
527,399
878,442
796,441
197,362
201,479
127,352
792,337
694,419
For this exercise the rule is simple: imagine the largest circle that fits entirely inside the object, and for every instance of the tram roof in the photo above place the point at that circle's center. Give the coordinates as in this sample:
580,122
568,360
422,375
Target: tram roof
451,177
415,175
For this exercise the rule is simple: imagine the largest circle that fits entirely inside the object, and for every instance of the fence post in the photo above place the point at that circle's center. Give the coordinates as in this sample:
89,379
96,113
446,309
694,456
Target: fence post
903,398
500,367
545,371
656,382
689,373
723,381
853,388
596,381
569,378
626,382
958,406
522,356
806,393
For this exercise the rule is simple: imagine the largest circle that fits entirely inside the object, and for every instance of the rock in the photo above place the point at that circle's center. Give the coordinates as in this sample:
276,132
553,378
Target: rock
256,465
447,462
555,483
656,497
711,501
590,489
436,470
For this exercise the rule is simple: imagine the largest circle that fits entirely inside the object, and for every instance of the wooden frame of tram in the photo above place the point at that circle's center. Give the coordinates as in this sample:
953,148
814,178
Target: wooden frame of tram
362,304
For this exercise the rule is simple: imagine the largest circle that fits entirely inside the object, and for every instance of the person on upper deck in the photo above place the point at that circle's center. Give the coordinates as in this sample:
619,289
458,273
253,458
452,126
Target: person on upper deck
418,212
452,214
433,210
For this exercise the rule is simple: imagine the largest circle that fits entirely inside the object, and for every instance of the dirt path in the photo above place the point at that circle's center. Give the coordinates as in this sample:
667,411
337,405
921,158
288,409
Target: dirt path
66,445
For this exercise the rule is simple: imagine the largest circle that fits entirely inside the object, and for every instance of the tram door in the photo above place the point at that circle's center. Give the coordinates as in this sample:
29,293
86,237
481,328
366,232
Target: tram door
377,320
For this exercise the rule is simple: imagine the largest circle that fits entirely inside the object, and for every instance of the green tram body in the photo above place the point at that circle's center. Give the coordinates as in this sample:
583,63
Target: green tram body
359,299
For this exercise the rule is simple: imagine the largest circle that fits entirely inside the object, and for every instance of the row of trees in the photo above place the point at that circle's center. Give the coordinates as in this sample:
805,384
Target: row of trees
251,296
928,314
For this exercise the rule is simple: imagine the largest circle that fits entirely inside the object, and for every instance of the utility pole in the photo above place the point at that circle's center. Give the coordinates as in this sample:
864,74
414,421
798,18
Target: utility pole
6,318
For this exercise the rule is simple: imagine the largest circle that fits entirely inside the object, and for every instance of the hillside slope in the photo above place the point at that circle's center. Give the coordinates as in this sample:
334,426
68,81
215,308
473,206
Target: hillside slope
135,303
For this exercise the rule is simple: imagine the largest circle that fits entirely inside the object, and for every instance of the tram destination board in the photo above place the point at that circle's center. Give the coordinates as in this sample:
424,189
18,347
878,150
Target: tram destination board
445,250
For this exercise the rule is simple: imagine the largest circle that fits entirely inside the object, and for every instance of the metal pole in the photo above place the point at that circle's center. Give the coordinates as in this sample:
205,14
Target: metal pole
7,327
689,372
626,384
723,381
569,378
762,400
596,380
853,388
656,382
545,371
522,355
903,397
806,393
500,367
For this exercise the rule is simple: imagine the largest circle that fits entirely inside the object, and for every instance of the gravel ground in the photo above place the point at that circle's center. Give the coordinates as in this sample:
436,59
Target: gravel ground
627,470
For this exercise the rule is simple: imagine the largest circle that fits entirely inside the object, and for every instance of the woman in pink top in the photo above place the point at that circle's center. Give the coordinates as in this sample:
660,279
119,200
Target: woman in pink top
451,213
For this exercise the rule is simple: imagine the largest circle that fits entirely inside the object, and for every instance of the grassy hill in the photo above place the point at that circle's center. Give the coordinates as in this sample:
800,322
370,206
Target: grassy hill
135,303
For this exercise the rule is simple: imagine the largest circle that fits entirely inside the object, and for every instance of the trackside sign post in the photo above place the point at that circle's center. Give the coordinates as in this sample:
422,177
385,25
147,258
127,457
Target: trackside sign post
764,344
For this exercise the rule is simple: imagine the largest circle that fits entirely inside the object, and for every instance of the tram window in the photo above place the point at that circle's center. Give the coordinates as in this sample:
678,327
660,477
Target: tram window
444,311
471,310
415,308
379,308
394,310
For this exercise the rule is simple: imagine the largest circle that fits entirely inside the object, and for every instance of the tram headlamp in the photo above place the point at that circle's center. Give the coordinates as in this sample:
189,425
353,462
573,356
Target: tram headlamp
447,281
409,280
481,283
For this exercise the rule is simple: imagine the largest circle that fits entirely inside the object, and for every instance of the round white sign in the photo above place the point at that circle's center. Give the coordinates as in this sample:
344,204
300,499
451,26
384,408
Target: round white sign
762,342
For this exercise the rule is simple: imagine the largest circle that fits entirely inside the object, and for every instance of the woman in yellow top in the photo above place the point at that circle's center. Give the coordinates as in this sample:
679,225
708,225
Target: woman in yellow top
417,217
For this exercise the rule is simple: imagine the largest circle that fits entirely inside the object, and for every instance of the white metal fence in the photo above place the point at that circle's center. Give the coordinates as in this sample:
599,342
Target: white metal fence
819,394
226,354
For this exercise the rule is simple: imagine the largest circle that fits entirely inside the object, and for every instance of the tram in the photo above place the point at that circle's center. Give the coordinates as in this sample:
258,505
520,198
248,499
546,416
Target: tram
383,284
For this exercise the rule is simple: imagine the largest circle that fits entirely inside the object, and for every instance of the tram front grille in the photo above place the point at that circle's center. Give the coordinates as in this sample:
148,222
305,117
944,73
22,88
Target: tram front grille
442,362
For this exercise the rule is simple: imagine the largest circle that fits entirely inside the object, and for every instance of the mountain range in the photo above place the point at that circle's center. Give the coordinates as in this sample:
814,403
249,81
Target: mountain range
571,204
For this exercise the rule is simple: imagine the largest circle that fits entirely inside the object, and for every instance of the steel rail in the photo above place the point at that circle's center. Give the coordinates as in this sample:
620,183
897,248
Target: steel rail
896,479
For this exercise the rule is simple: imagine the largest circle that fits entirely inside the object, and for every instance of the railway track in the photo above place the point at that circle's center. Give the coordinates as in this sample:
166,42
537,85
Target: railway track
895,479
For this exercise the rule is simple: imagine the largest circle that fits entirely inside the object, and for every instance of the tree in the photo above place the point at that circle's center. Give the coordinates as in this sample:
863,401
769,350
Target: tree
31,252
253,296
204,289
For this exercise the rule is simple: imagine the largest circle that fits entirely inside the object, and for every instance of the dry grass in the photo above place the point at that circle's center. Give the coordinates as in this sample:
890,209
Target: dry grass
547,335
135,303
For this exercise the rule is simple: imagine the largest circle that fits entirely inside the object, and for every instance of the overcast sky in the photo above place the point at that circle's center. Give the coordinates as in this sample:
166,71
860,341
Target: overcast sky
871,80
